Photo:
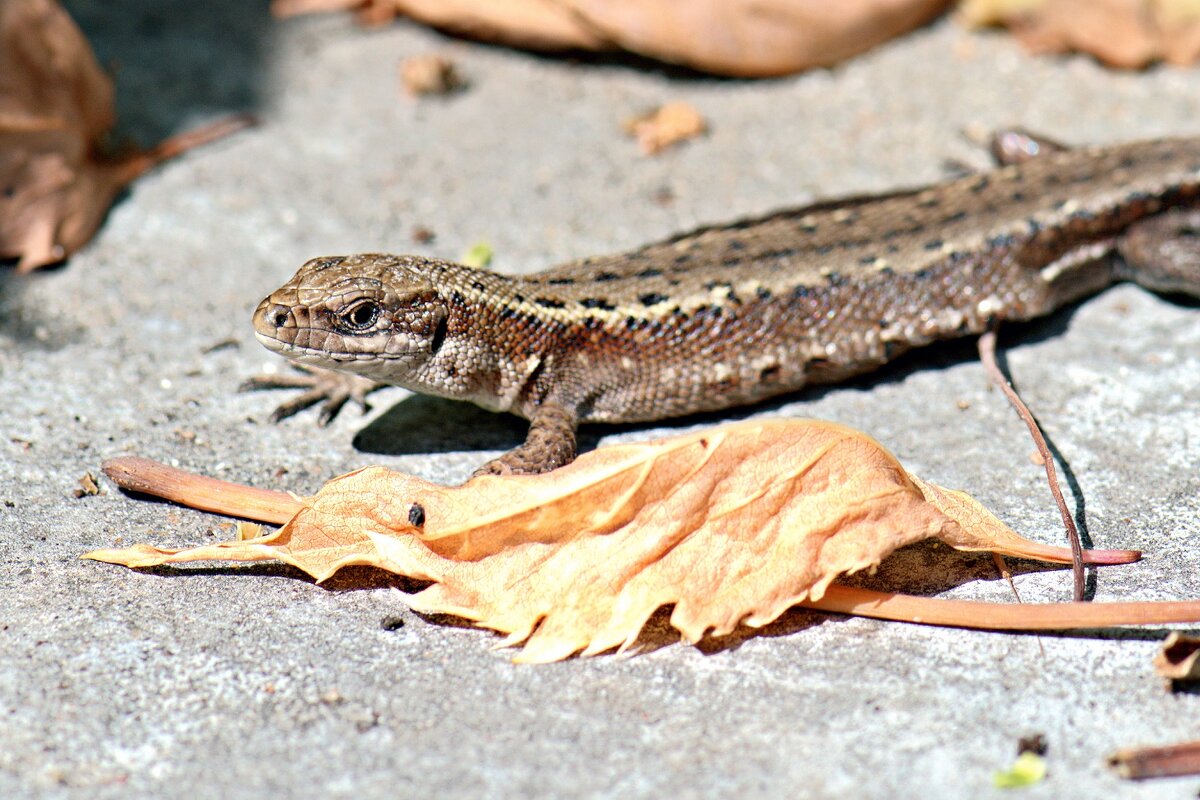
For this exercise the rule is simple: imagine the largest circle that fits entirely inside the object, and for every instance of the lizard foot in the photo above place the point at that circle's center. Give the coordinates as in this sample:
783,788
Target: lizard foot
331,389
522,461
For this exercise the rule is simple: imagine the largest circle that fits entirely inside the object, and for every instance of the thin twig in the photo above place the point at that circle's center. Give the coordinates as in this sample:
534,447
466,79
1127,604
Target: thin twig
979,615
987,354
1157,762
1002,568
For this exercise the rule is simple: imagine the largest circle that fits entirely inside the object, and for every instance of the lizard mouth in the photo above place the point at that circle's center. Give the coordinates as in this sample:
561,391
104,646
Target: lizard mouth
320,356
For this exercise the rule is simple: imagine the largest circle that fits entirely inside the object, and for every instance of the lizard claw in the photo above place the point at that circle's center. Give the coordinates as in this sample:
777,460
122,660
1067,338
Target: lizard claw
331,389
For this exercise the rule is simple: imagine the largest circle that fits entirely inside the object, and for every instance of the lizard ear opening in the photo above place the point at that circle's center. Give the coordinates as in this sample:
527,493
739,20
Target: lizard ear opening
439,333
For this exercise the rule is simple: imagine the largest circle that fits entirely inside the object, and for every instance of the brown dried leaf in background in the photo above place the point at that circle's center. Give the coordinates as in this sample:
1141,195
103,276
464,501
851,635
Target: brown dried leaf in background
54,102
537,24
752,38
1122,33
747,38
666,125
731,526
56,106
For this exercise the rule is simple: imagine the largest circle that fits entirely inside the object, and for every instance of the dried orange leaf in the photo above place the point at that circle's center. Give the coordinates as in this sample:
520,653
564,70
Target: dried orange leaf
56,105
249,530
1121,33
666,125
153,478
731,526
979,530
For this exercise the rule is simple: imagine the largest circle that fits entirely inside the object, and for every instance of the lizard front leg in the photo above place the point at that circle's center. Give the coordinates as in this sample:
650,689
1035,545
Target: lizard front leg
549,445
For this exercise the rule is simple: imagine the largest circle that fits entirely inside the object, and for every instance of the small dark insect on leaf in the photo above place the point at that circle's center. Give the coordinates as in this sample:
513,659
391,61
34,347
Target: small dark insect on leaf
416,515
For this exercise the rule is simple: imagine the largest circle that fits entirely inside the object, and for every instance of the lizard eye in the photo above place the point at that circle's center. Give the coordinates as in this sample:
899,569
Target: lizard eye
360,316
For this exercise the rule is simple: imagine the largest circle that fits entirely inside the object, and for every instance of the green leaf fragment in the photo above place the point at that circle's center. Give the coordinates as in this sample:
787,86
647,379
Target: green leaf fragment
1027,770
478,255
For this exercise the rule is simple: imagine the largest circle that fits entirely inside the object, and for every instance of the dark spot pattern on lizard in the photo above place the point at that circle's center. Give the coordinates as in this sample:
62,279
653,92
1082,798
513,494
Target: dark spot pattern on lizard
595,302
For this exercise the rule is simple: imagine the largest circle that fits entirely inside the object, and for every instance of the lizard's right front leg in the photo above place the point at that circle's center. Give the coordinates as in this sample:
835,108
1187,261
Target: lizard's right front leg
549,445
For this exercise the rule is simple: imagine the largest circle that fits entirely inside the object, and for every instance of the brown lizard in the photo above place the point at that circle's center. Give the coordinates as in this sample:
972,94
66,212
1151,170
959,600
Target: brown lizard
732,314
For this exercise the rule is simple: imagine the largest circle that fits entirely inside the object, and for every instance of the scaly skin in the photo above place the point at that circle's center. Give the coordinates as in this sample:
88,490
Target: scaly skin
732,314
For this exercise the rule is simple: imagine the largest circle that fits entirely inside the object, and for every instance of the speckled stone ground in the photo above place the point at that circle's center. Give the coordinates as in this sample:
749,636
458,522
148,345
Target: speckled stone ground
252,681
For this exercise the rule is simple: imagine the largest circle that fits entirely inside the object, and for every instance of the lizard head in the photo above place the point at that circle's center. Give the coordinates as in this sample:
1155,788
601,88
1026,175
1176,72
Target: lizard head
373,315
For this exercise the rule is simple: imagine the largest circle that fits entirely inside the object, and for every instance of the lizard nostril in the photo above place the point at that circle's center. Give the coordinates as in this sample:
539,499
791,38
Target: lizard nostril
271,317
275,314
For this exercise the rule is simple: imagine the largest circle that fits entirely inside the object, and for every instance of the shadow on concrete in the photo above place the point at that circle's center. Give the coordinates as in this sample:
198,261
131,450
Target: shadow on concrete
177,62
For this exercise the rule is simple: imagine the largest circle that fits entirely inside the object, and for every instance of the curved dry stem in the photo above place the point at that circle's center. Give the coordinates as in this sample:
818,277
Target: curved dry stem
1002,616
987,354
146,476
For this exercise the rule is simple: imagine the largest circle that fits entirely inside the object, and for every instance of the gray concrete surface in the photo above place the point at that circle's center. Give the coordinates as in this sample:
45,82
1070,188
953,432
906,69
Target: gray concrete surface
253,682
